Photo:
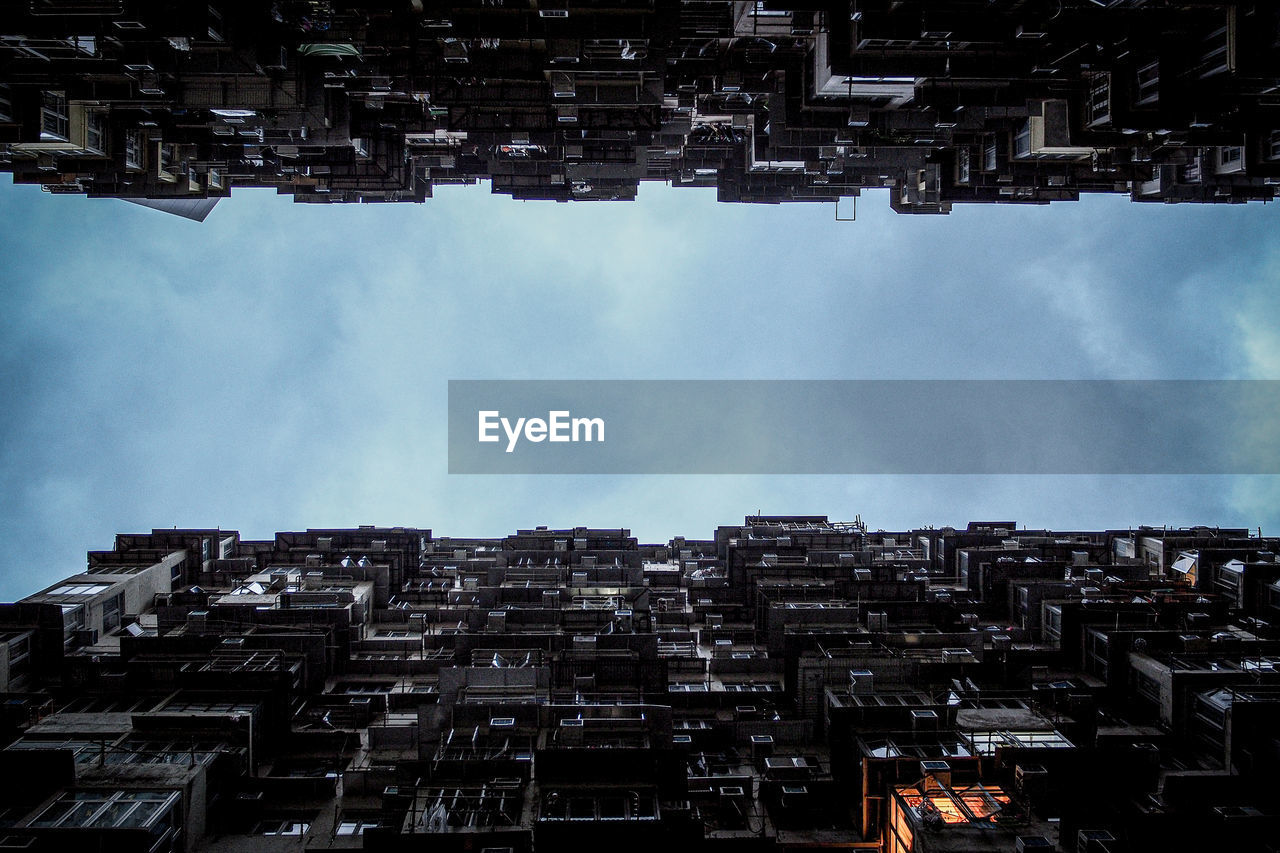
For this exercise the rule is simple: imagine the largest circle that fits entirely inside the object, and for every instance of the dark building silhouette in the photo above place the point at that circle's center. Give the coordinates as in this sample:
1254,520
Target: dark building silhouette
789,683
1025,101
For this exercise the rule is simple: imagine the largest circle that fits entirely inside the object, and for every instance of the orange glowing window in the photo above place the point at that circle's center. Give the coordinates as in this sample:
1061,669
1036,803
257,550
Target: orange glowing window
955,806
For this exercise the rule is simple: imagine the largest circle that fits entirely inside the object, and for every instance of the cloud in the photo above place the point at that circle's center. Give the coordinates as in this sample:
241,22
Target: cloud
283,366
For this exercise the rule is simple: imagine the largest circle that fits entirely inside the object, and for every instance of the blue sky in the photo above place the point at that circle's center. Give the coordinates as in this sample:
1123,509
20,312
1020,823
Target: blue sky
281,366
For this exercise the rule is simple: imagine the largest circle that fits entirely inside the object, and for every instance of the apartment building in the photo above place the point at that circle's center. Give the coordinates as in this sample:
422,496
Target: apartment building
785,684
174,105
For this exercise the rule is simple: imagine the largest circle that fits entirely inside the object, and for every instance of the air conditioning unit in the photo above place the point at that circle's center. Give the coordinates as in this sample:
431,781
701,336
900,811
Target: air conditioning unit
761,747
924,719
1092,840
936,774
570,732
795,797
276,58
564,50
1032,843
454,51
1032,780
733,793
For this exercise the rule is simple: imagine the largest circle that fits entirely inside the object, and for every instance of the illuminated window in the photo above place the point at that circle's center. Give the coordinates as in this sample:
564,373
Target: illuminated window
955,805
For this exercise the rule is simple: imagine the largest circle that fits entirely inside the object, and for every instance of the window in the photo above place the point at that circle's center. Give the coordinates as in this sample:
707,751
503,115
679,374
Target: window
80,589
110,705
154,810
1229,154
761,10
1022,140
6,105
281,826
1148,85
55,121
989,155
687,687
114,570
1100,99
1211,710
168,161
1217,52
85,751
164,752
356,824
72,617
198,706
133,149
95,130
19,648
1145,685
111,611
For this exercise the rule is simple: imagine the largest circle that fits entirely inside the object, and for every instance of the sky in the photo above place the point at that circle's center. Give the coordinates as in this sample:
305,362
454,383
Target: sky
284,366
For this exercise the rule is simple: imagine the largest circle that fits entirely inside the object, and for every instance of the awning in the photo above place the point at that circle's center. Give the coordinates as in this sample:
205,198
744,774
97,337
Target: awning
328,49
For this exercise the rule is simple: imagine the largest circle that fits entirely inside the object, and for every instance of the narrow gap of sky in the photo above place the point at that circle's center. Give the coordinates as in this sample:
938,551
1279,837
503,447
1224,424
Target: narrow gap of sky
283,366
